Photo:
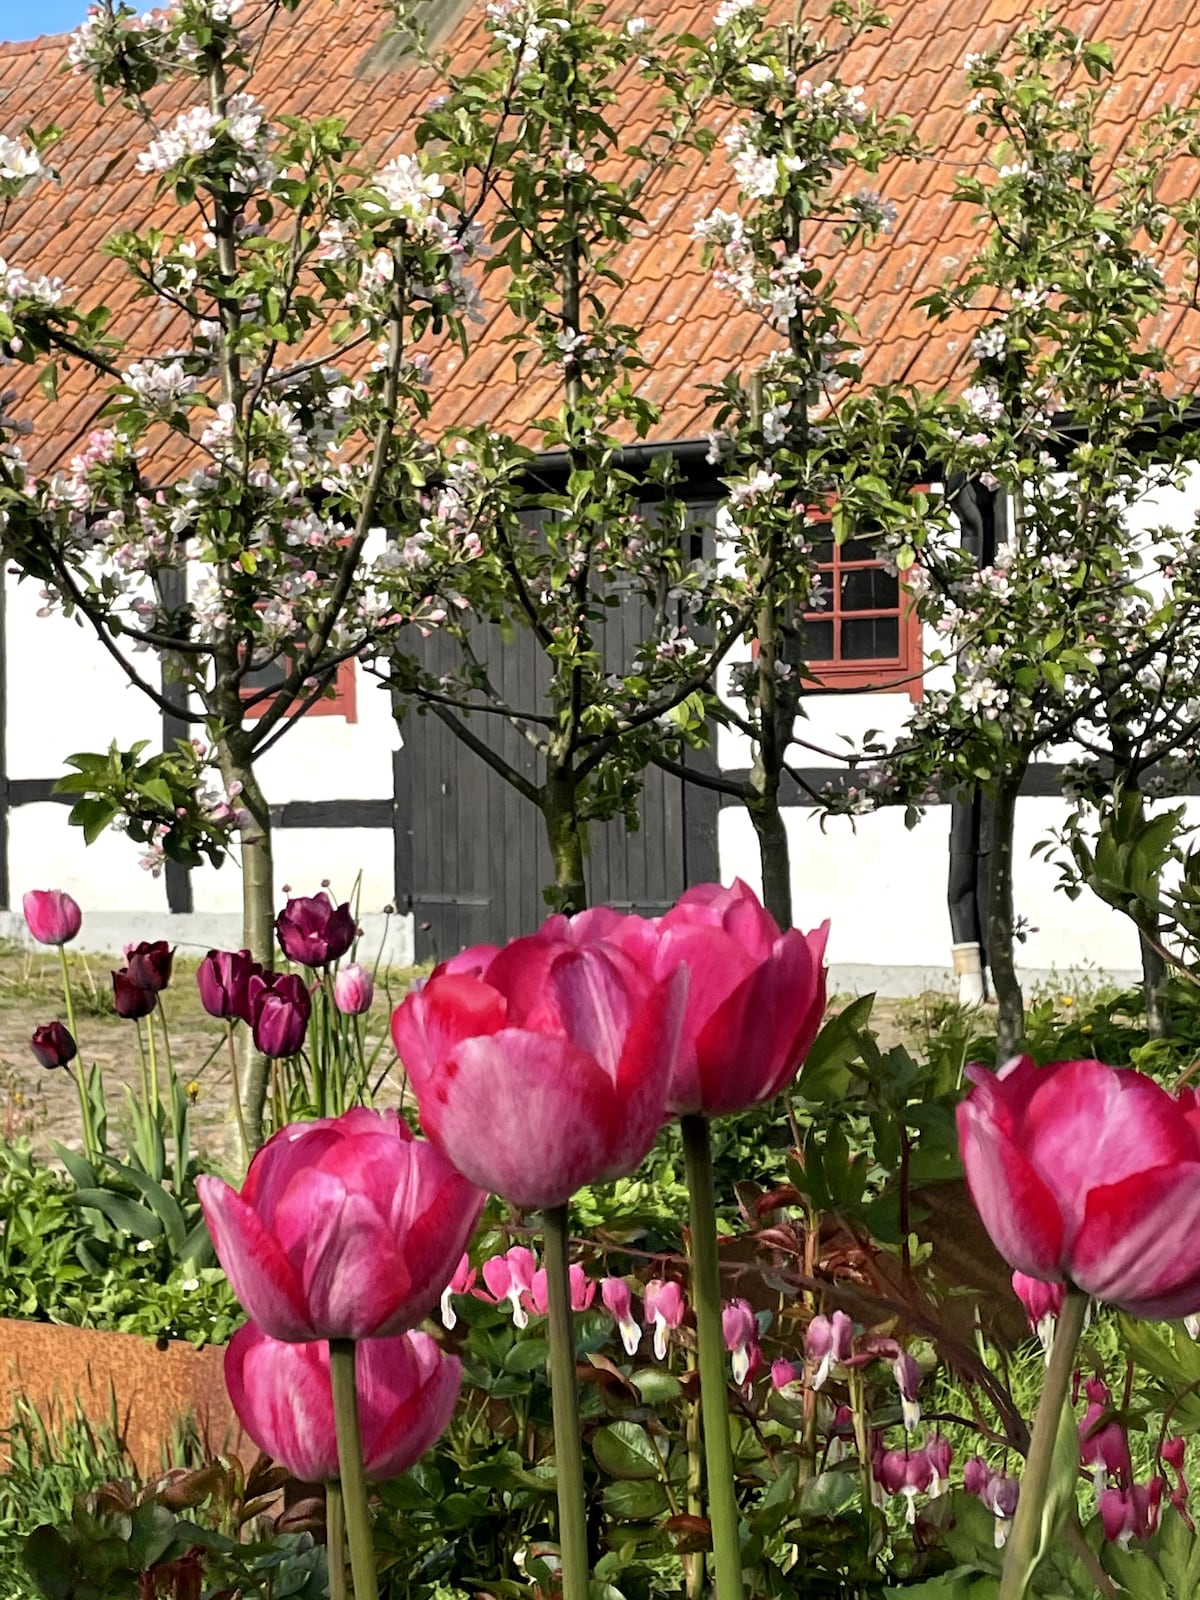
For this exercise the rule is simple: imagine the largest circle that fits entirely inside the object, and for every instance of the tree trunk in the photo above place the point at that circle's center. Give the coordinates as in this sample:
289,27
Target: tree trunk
258,917
1010,1020
774,855
564,834
1155,973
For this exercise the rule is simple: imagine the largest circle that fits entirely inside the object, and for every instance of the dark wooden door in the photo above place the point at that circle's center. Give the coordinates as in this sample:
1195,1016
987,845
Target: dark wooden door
472,859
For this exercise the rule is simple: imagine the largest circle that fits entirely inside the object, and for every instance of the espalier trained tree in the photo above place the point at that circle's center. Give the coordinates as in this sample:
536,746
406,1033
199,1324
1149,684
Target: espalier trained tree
526,140
298,282
496,547
798,449
1083,631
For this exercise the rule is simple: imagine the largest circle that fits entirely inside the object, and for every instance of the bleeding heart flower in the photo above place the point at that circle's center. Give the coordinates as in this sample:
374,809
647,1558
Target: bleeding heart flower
665,1307
614,1292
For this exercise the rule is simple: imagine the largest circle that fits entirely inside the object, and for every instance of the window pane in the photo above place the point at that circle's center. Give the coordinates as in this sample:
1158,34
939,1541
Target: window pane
864,548
871,639
268,676
818,640
869,589
823,551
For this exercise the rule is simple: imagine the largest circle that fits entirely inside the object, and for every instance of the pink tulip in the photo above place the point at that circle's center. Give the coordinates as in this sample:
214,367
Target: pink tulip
755,998
407,1389
462,1282
665,1307
546,1072
51,915
582,1288
345,1228
1090,1175
614,1292
353,990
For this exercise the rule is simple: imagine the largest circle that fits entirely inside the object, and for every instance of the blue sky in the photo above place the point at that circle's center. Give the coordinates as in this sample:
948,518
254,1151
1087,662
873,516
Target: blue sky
25,19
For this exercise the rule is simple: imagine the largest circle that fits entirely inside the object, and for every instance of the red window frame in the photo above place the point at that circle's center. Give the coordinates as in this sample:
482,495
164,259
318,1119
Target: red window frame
902,672
343,702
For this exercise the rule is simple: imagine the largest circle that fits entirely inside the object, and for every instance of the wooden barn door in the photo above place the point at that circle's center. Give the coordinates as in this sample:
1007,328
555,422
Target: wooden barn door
472,860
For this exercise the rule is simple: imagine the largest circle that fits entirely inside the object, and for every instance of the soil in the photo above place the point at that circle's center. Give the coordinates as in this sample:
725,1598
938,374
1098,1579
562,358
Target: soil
41,1105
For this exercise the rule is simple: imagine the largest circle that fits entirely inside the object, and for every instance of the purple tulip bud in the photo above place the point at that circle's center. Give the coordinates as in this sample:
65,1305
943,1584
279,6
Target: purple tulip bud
130,998
280,1006
353,990
223,978
53,1045
313,931
51,915
149,965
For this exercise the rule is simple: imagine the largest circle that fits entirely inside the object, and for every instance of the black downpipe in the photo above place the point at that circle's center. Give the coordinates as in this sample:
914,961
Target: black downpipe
970,811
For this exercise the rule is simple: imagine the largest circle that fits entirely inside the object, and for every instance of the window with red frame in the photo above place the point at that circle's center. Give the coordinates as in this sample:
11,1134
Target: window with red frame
341,703
868,635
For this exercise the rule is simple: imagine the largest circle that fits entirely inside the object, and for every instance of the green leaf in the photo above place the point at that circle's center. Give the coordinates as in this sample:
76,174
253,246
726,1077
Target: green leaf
825,1075
635,1502
124,1213
625,1450
47,1559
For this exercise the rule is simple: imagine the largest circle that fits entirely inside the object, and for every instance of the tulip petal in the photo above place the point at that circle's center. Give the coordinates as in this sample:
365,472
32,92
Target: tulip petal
751,1045
1018,1210
1084,1121
428,1024
528,1116
356,1280
418,1408
1139,1243
259,1273
281,1395
594,1001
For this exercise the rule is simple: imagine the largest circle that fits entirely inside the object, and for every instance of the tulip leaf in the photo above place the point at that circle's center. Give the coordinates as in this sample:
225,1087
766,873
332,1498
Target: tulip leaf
164,1204
625,1450
122,1212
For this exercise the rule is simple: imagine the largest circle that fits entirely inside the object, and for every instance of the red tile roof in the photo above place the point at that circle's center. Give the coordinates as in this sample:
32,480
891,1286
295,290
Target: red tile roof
327,59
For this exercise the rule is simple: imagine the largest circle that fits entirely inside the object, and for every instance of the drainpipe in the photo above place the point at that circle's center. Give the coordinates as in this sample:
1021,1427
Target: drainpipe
975,508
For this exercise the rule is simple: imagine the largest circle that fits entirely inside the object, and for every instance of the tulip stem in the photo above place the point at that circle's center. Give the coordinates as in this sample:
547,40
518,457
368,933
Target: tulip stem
236,1087
350,1468
91,1144
714,1401
1022,1552
335,1540
568,1455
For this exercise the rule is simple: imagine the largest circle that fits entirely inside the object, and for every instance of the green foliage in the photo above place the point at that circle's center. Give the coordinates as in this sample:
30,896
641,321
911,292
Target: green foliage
158,801
63,1260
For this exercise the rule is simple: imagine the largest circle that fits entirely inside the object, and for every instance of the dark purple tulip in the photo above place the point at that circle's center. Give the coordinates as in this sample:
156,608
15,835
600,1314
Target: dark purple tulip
313,931
53,1045
149,965
224,981
280,1006
130,998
